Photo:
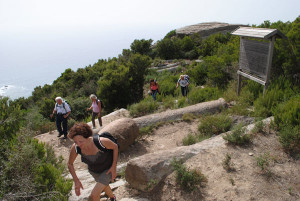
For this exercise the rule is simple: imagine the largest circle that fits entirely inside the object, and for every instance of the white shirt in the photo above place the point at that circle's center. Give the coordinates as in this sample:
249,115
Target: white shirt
60,108
183,82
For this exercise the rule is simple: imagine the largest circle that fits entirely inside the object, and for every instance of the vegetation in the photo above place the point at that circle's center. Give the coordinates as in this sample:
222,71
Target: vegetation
238,136
188,180
42,178
214,125
227,164
121,81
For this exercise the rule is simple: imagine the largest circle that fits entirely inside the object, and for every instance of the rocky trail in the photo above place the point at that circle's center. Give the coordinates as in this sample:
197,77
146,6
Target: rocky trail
148,159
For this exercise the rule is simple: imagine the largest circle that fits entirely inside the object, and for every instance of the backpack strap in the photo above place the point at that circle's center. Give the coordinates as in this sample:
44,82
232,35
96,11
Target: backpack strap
77,149
98,143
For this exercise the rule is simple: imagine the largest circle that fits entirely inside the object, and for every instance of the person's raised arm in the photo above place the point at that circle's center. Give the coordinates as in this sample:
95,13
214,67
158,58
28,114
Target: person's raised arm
111,145
76,180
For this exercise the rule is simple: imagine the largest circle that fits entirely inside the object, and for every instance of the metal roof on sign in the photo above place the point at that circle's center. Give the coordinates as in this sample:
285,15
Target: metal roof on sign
262,33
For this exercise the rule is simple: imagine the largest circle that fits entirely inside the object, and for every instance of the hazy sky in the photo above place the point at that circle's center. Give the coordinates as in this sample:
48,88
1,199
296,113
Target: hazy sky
39,39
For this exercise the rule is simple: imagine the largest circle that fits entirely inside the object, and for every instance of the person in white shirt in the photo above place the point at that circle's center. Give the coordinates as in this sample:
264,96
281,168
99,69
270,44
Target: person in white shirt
96,106
184,83
62,110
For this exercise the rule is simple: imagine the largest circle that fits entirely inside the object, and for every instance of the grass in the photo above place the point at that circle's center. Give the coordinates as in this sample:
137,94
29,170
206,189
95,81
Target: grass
189,139
188,117
227,164
214,125
189,180
238,136
258,128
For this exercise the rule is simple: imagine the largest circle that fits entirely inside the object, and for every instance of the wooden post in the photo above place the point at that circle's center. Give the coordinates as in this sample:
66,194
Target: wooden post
239,84
269,63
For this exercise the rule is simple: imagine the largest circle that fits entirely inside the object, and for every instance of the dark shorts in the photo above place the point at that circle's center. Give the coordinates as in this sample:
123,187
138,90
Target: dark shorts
102,177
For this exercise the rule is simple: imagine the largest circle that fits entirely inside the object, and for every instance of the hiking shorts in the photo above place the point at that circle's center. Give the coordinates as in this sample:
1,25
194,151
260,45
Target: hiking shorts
102,177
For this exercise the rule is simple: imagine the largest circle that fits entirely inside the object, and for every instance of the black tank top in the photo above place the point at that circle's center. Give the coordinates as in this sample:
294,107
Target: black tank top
99,162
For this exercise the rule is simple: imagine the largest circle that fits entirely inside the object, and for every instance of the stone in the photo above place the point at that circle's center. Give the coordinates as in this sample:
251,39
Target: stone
146,171
200,108
125,130
206,29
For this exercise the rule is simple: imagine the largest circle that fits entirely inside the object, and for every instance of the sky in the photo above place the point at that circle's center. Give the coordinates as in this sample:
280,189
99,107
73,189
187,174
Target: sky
39,39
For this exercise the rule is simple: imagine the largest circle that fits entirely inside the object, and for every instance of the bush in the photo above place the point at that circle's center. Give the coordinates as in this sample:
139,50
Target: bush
144,107
42,178
199,95
168,102
189,139
181,102
227,164
214,125
289,137
288,113
280,91
188,117
238,136
187,179
79,106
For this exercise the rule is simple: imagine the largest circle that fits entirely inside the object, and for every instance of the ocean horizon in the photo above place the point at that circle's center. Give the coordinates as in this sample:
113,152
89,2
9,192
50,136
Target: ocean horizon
35,59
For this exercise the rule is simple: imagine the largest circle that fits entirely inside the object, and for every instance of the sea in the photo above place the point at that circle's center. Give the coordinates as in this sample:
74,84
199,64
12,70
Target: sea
30,59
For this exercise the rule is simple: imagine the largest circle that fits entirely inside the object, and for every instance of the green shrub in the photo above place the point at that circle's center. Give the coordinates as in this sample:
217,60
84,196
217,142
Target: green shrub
288,113
188,117
168,102
226,163
263,161
144,107
258,127
201,137
146,130
199,95
187,179
214,125
280,91
71,123
189,139
181,102
289,137
42,179
238,136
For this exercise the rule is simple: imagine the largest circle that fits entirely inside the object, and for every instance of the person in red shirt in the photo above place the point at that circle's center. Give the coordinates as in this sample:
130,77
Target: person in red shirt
154,88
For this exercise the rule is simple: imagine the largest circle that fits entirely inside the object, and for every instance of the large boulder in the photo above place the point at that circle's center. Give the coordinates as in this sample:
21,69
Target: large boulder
125,130
200,108
206,29
145,172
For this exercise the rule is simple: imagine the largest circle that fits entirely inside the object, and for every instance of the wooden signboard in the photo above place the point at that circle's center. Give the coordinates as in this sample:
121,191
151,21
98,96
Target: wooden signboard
256,51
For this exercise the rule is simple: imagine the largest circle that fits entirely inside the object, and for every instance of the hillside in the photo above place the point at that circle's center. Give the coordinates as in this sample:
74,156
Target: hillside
245,181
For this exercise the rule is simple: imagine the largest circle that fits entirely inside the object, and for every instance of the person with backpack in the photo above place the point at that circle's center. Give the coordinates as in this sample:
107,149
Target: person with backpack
62,110
100,153
154,88
97,107
184,83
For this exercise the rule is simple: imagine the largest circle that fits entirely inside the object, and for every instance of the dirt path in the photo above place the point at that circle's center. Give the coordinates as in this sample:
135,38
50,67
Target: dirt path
246,182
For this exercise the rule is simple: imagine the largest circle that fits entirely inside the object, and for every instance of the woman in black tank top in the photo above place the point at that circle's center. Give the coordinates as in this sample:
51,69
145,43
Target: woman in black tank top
102,165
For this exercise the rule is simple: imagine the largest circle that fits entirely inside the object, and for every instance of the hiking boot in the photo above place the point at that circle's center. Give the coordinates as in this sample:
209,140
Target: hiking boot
113,199
65,137
59,135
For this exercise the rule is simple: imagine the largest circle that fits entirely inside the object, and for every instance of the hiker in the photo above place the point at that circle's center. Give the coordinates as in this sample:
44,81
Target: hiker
184,83
102,165
154,88
96,106
62,110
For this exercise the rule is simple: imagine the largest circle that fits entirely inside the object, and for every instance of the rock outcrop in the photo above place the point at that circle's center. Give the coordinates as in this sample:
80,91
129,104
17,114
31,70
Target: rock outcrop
206,29
125,130
200,108
145,172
